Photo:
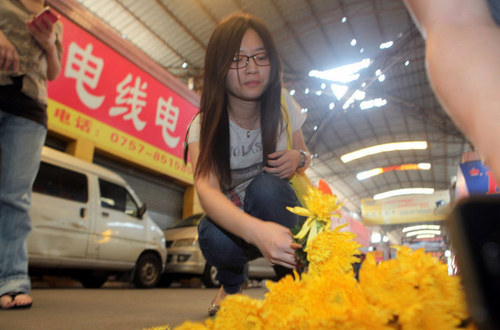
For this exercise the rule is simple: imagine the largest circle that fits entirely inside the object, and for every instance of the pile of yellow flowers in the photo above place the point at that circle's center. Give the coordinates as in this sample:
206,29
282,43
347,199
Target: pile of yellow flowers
412,291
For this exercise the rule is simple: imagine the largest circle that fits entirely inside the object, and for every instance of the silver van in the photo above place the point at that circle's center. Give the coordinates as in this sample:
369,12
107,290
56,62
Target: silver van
88,223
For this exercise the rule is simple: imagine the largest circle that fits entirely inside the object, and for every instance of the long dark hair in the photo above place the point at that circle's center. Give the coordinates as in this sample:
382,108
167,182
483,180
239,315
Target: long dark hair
214,136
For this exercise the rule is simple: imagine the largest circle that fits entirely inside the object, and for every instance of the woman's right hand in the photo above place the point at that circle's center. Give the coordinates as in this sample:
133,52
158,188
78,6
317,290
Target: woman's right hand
9,59
275,242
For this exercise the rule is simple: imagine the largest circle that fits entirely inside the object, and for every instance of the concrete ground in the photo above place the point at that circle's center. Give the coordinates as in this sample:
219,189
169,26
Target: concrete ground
60,304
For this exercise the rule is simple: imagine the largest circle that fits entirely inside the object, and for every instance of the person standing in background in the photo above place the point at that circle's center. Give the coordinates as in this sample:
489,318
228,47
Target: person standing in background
30,54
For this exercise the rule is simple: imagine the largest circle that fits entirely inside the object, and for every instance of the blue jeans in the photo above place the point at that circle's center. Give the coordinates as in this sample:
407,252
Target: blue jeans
21,142
266,198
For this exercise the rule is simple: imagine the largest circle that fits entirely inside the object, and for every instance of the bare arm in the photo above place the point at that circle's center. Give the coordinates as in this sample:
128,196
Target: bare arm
45,35
9,58
463,48
272,239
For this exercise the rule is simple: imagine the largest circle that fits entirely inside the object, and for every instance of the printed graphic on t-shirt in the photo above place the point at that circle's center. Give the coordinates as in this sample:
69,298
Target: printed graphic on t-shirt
241,178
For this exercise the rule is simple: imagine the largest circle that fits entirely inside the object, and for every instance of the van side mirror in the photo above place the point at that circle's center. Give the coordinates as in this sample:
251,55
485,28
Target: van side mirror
142,210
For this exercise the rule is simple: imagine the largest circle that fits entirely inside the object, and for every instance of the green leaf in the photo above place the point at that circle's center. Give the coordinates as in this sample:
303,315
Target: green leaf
300,253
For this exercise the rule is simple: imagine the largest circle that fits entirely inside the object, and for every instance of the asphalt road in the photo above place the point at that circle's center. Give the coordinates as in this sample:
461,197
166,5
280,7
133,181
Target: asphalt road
66,305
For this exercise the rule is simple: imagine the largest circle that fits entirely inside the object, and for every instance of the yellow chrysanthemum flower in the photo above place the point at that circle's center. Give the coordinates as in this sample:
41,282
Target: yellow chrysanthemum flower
335,247
239,312
319,209
164,327
406,288
188,325
412,291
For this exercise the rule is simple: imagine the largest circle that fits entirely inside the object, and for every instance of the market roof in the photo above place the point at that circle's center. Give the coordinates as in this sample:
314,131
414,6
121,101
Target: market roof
320,35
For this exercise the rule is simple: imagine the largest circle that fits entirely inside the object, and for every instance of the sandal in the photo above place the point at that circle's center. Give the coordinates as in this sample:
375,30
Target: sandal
12,304
213,309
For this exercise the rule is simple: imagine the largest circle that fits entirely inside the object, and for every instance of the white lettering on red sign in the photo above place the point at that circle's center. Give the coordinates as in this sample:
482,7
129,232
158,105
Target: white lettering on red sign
86,69
131,100
166,117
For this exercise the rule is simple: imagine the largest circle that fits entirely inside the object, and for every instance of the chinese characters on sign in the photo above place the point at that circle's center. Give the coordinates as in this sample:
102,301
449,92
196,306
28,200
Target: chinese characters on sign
86,70
105,98
166,117
116,141
134,96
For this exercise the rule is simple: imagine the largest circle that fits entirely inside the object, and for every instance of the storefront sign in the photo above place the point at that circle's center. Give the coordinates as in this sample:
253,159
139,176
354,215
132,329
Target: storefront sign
405,209
103,97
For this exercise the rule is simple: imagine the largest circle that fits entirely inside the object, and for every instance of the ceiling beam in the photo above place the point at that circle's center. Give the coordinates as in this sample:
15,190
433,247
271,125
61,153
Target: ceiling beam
181,25
321,28
292,30
367,76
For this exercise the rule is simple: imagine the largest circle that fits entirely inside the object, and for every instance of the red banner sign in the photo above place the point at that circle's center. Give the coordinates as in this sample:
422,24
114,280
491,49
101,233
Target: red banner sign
106,88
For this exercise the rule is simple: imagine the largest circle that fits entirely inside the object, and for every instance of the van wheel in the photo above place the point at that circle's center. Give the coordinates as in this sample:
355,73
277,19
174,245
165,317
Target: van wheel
93,281
147,271
209,276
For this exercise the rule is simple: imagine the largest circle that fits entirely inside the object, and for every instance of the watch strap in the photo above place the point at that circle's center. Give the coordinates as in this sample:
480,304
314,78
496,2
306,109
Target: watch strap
303,159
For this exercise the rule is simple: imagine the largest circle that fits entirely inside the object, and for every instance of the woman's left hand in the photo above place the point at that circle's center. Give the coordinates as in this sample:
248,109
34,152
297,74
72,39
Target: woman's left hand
43,32
283,163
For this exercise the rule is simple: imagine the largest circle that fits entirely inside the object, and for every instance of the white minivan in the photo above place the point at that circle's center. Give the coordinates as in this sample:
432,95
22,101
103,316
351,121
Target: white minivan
88,223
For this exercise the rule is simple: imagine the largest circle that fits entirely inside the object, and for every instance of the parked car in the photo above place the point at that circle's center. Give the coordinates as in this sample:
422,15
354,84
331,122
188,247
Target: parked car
186,260
88,223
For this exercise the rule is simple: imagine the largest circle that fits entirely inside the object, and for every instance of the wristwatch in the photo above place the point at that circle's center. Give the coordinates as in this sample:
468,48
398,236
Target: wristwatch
303,159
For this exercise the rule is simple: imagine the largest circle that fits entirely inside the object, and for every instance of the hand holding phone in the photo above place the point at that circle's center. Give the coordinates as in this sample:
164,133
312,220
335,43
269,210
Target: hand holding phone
41,17
42,28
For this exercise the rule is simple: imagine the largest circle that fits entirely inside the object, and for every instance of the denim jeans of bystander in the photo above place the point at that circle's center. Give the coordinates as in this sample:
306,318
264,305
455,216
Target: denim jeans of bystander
21,142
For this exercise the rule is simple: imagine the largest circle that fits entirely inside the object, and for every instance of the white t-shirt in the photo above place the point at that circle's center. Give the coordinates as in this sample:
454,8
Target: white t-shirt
246,150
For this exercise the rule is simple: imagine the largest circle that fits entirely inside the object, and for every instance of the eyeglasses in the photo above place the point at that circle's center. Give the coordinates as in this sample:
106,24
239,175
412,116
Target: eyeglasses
241,61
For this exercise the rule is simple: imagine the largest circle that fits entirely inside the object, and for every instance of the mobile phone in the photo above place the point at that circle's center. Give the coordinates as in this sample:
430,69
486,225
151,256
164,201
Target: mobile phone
47,13
474,228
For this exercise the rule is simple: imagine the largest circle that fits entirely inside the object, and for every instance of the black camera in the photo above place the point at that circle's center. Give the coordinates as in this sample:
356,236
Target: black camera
474,227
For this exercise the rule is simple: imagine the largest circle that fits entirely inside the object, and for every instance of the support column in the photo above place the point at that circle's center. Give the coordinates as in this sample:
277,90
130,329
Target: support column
191,203
81,148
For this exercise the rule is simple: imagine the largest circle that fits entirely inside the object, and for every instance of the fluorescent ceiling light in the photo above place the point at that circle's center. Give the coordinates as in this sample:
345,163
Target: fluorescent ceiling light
410,145
344,73
403,167
420,227
424,166
368,174
423,232
406,191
